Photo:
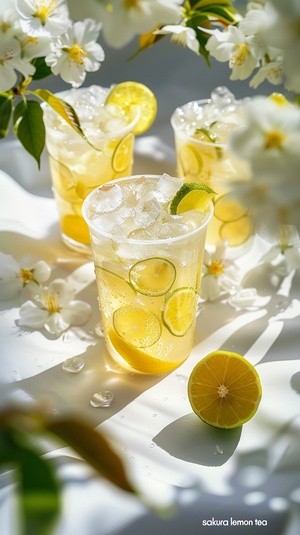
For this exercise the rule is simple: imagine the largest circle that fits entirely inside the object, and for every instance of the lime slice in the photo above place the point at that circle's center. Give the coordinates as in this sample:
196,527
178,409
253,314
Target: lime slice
192,196
122,155
153,276
180,311
237,232
224,389
228,209
139,360
130,95
205,135
136,325
190,161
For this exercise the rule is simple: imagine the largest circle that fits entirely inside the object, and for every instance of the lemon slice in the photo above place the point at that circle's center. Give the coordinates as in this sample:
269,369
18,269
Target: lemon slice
138,359
133,94
153,276
224,389
136,325
63,180
190,161
122,155
192,196
228,209
180,311
237,232
76,228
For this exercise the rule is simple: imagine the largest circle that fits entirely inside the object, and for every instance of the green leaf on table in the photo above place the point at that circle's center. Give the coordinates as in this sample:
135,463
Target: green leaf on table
41,69
64,109
6,108
93,448
37,486
29,127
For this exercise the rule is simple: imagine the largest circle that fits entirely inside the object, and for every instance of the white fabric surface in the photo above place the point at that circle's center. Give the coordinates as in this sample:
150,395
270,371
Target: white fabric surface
168,451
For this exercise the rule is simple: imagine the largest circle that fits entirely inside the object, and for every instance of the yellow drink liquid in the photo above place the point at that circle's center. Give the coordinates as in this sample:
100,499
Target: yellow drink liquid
148,284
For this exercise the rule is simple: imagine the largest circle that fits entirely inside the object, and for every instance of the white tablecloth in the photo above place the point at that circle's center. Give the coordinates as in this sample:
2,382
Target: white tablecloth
174,457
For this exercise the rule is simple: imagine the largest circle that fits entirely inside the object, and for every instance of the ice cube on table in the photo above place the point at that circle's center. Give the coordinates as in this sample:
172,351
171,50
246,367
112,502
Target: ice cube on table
106,199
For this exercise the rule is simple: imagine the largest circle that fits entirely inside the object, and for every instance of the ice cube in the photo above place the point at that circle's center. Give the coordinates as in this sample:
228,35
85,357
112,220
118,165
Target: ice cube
145,213
167,187
221,96
193,219
106,199
107,221
173,230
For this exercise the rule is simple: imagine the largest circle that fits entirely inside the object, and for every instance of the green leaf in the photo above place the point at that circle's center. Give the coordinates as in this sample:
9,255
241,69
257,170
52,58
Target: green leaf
93,448
6,108
29,127
64,109
38,487
41,69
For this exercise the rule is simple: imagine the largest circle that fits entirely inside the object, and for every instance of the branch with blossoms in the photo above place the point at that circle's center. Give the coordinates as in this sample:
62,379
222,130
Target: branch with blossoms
37,39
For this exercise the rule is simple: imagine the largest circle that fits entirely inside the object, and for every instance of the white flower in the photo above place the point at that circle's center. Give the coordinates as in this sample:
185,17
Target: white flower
181,35
54,308
122,20
43,17
271,130
14,275
10,62
272,71
219,274
34,47
286,249
76,52
233,46
9,19
253,26
283,32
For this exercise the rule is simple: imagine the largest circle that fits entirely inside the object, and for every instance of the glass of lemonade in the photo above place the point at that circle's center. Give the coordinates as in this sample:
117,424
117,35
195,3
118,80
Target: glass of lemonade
78,167
201,130
148,269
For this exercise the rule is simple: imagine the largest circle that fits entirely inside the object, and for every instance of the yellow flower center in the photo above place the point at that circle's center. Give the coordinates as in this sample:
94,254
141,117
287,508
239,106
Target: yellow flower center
77,54
216,268
132,3
26,275
239,55
45,9
51,303
5,26
274,139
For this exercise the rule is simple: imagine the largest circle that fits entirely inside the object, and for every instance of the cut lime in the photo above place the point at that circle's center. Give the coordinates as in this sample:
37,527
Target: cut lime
192,196
180,311
228,209
130,95
237,232
122,155
224,389
153,276
136,325
190,161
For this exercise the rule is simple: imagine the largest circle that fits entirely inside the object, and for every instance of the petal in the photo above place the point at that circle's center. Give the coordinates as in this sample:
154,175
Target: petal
32,316
64,291
9,267
41,271
57,323
9,289
77,312
210,289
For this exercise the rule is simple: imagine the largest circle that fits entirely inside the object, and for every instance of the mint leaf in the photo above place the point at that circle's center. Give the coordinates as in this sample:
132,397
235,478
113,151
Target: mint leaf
6,108
29,127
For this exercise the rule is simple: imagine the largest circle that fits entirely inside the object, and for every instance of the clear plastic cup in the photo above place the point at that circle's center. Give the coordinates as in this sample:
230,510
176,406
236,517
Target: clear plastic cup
76,166
148,269
201,129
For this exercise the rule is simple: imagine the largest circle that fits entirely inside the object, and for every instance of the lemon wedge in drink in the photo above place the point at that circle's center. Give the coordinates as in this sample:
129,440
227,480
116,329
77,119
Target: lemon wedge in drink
121,158
180,311
130,95
224,389
192,196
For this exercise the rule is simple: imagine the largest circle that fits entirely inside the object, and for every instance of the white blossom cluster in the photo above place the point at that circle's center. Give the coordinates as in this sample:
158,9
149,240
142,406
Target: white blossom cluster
31,29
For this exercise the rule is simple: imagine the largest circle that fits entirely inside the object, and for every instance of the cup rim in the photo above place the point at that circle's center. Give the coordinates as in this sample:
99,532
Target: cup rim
100,135
181,134
161,241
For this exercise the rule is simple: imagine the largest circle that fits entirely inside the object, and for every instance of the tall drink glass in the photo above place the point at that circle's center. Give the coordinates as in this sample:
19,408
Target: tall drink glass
76,166
201,130
148,269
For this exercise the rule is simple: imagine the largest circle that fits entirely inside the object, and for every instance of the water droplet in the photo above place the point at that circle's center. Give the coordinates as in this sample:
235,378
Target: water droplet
99,331
102,399
218,450
182,379
121,417
152,445
165,398
73,365
69,336
282,305
154,415
132,458
146,466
